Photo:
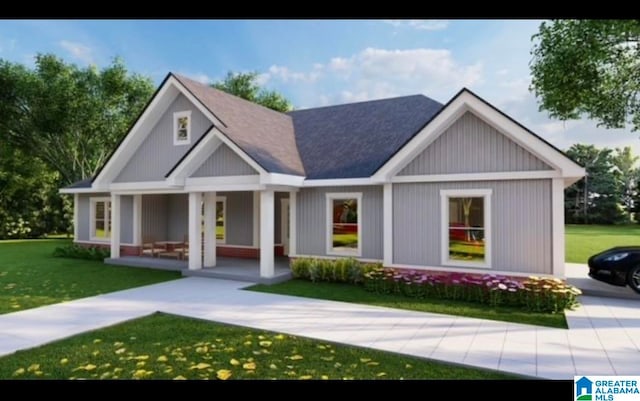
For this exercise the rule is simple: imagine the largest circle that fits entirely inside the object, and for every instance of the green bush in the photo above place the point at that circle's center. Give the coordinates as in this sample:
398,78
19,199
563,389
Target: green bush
78,252
342,270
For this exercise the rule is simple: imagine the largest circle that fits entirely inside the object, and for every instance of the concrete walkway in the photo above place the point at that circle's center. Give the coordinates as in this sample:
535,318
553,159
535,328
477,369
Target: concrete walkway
604,335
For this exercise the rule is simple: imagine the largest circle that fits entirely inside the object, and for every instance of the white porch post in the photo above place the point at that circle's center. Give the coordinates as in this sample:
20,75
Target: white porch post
267,227
195,230
137,220
76,211
293,212
557,227
256,219
210,229
115,226
387,224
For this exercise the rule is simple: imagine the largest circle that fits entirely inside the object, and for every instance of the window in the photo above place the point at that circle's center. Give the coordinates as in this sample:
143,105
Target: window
100,215
221,219
182,128
466,221
344,224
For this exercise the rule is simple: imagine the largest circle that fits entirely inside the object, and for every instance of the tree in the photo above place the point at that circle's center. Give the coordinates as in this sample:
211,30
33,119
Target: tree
71,118
625,162
596,197
589,67
245,85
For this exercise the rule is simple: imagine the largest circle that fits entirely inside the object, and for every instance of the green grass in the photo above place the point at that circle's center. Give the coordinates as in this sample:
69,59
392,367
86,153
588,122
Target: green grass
583,241
357,294
162,346
31,277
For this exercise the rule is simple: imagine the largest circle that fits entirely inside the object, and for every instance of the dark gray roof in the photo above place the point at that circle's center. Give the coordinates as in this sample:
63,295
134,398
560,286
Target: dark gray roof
354,140
86,183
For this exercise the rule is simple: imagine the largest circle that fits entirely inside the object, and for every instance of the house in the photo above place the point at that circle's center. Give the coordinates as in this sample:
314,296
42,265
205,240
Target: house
406,181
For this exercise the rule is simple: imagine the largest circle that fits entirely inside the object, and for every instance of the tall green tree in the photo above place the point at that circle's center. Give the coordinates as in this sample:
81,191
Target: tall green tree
626,163
68,117
595,198
589,67
245,85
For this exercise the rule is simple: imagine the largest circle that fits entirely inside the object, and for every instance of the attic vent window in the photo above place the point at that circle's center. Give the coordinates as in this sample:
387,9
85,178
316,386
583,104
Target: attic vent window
182,128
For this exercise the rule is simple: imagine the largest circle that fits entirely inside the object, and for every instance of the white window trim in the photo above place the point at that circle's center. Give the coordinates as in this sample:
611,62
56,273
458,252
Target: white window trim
92,218
445,194
176,116
330,197
222,199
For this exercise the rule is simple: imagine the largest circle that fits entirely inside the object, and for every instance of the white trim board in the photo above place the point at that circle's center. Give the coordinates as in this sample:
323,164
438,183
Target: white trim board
500,176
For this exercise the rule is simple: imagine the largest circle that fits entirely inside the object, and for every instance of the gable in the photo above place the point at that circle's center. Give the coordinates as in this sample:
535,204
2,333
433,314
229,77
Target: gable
157,154
223,162
470,145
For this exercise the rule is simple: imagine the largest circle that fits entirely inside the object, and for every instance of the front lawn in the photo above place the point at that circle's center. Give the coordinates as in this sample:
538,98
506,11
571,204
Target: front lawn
162,346
583,241
357,294
30,276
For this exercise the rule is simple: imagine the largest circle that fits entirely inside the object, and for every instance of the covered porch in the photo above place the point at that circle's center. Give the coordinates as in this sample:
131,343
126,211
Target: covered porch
251,245
226,268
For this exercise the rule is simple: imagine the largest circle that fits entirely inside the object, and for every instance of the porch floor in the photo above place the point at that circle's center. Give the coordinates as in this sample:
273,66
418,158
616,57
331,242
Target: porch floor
226,268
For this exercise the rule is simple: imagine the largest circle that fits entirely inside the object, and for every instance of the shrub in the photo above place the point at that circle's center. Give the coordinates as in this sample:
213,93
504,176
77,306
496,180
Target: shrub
343,270
78,252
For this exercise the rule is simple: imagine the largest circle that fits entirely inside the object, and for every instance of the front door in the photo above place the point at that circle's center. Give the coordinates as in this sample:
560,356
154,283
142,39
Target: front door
284,225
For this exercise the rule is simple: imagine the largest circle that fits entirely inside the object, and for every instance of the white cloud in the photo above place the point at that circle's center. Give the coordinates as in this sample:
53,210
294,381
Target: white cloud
287,75
419,24
77,50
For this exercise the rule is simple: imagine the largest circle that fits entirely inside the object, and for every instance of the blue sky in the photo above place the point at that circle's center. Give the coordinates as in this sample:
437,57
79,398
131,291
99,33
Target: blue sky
321,62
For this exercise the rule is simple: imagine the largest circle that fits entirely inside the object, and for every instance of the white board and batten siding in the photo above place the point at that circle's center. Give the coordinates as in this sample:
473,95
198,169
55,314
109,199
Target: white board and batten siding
157,154
470,145
224,162
312,220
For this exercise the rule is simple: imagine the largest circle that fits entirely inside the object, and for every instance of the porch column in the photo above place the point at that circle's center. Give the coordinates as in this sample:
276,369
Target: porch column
115,226
137,220
209,229
267,227
387,224
557,227
293,230
195,230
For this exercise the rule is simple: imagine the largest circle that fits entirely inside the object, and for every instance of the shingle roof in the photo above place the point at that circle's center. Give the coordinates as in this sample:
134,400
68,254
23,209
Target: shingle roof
264,134
86,183
354,140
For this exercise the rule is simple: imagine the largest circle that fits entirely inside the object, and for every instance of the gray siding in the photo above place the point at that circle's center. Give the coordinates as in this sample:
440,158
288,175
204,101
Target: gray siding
239,224
224,162
472,146
312,223
154,217
178,217
126,219
520,221
278,215
157,154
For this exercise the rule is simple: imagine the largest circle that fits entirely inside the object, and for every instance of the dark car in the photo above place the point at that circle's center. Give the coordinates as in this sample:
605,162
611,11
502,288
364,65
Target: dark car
617,266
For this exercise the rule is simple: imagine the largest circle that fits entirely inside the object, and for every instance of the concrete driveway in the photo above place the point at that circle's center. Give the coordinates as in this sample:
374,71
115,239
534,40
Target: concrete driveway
604,334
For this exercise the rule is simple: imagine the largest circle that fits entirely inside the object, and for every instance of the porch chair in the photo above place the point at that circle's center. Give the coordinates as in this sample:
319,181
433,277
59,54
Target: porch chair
149,248
176,252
